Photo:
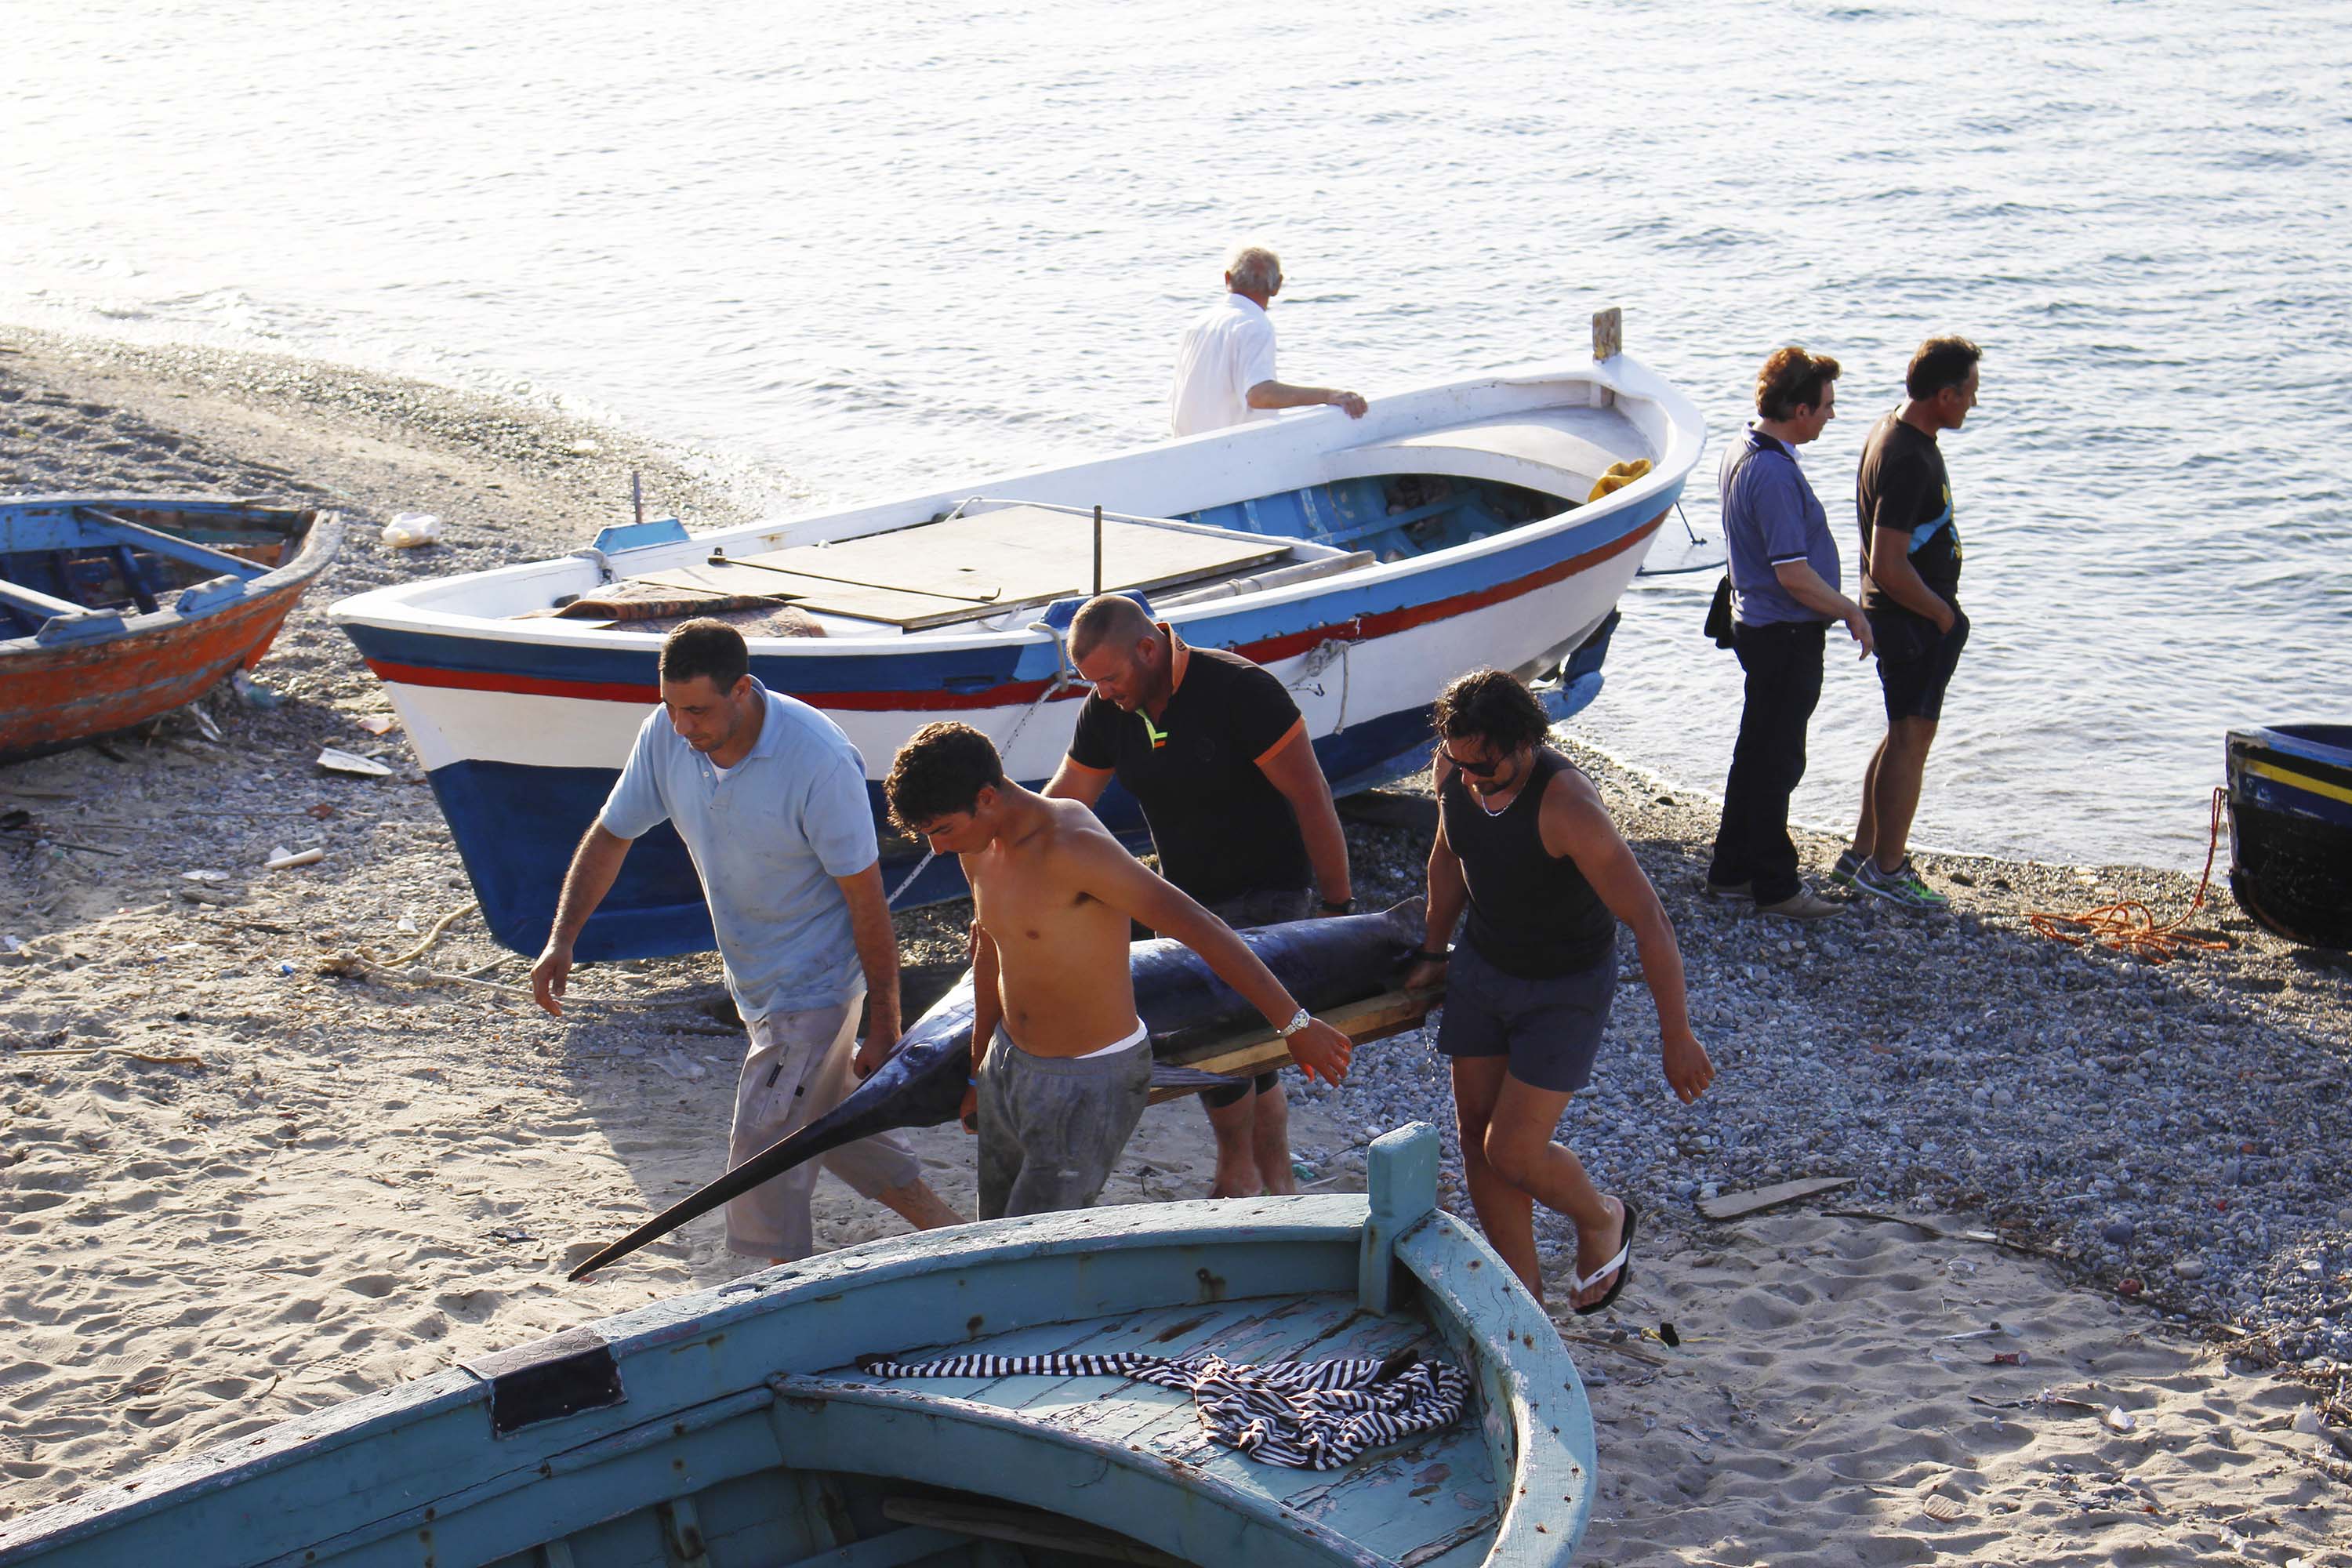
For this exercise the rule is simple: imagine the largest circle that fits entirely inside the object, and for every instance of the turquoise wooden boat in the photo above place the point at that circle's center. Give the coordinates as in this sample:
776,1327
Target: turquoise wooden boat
730,1428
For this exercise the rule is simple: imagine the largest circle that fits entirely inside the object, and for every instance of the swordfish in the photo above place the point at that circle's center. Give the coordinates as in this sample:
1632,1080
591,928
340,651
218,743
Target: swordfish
1324,963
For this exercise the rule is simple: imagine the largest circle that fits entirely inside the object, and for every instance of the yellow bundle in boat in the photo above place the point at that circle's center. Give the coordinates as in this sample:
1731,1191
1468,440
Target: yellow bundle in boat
1619,476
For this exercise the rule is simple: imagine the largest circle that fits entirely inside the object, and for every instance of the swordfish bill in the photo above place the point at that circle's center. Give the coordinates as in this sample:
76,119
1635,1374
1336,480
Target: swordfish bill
1323,963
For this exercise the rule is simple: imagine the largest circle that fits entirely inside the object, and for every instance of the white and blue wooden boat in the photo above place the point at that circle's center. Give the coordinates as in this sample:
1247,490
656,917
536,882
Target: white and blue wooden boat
116,608
2291,830
1364,561
732,1429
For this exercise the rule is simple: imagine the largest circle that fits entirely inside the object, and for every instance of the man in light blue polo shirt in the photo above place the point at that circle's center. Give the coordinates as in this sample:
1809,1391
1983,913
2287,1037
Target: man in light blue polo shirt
770,797
1784,580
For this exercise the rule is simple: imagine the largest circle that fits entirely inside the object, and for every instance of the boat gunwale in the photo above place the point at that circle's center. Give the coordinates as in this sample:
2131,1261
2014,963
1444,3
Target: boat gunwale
406,608
321,535
1286,1225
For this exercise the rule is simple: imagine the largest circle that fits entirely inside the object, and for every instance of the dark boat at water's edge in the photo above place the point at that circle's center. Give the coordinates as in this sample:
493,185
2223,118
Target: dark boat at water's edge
116,608
2291,830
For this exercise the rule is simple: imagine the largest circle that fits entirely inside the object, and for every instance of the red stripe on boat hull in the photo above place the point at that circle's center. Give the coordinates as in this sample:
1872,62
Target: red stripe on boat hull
1362,628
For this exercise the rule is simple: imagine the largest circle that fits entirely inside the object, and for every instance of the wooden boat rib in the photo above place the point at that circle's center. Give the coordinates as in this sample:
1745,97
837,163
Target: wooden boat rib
2291,830
1363,562
114,609
729,1428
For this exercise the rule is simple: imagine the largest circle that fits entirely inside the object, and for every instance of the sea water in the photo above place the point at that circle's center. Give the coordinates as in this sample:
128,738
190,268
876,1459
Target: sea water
844,251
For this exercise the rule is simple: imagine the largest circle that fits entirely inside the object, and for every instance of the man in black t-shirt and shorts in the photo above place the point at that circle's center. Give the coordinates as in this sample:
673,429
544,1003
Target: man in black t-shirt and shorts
1910,590
1216,752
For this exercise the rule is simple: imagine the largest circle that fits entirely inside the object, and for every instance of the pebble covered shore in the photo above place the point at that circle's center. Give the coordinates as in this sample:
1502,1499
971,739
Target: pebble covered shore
2177,1133
2180,1132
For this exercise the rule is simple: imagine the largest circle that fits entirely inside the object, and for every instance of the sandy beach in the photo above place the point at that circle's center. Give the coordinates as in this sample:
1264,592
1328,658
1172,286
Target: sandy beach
269,1140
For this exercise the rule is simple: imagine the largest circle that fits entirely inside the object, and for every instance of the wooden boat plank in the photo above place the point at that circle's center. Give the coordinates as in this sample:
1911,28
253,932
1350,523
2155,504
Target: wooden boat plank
1096,1336
1166,1423
1167,1503
1385,1480
1262,1050
1020,552
934,573
1275,1332
735,580
123,531
37,601
1174,1332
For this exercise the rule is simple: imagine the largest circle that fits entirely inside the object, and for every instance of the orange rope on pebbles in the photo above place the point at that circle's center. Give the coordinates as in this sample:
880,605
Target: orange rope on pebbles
2130,926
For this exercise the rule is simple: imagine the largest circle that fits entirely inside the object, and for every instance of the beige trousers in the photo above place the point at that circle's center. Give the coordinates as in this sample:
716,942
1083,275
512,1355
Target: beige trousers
798,1067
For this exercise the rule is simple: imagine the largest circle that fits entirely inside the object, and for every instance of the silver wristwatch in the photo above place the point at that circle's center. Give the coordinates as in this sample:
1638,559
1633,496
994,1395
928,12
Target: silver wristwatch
1298,1021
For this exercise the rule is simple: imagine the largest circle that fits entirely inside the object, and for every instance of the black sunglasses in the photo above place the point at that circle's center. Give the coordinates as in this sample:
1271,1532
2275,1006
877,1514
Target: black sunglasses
1475,770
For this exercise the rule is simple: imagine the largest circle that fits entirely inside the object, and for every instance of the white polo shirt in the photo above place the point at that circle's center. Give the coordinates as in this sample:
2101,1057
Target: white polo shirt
1227,349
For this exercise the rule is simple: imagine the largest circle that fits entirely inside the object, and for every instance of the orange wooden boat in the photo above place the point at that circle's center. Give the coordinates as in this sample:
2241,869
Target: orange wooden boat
115,608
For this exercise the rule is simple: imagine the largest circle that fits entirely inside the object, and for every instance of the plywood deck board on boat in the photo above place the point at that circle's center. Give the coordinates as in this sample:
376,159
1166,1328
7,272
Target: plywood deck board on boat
942,571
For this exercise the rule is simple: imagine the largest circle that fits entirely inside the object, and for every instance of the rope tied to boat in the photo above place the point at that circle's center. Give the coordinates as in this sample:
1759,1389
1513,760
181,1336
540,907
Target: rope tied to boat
2129,925
1301,1414
1333,649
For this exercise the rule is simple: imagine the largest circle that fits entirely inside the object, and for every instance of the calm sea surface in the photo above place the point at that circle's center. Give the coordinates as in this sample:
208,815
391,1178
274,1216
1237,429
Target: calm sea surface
845,250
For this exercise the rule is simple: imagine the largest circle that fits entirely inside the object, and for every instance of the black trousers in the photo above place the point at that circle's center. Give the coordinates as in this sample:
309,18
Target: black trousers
1783,662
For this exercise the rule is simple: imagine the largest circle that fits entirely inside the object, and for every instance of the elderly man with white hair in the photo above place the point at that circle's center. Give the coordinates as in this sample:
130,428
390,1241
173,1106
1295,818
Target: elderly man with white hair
1225,366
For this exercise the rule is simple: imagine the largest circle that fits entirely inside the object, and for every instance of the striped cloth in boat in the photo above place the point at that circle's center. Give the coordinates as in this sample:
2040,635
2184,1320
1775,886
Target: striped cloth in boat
1307,1414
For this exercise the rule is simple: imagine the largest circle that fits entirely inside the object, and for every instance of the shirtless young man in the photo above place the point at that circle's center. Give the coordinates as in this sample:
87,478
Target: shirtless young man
1070,1071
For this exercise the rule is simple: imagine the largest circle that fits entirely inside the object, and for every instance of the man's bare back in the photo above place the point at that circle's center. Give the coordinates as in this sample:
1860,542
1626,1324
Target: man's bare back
1061,975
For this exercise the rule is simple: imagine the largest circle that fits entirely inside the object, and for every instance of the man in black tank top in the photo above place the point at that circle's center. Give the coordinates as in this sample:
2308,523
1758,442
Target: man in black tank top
1526,847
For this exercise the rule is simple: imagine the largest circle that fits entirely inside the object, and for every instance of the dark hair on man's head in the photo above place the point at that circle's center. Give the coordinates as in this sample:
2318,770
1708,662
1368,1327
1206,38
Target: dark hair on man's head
1940,363
705,646
1493,706
1792,379
1108,619
940,770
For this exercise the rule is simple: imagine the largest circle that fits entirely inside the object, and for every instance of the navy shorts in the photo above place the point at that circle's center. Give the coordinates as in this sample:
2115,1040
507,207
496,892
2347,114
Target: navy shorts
1916,661
1550,1029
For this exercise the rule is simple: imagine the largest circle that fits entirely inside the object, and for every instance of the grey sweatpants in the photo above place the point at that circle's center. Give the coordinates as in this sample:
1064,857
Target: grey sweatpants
800,1066
1051,1128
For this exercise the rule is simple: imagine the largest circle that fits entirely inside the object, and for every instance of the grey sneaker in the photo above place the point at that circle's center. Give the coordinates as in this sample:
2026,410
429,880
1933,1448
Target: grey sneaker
1804,904
1848,867
1729,890
1902,887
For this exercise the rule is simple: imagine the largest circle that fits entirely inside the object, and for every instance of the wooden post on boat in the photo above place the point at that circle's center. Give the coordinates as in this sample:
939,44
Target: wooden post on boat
1403,1171
1097,552
637,495
1607,334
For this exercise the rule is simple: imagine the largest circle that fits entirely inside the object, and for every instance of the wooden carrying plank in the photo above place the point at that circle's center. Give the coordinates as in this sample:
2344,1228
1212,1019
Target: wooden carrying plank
1262,1050
937,572
1733,1205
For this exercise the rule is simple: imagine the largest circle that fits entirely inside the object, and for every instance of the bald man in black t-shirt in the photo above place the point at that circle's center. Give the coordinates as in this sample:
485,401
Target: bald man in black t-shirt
1216,752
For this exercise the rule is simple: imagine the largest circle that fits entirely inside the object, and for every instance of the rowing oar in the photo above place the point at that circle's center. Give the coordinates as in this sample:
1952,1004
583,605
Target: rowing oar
720,558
